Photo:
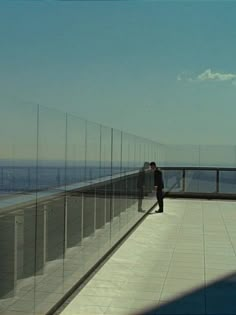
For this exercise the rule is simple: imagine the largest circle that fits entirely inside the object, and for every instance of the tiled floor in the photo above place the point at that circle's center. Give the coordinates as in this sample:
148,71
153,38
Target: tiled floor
180,262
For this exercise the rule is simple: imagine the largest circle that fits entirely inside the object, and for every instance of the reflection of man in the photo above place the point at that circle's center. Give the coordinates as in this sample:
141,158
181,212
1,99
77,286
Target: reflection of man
178,180
141,185
159,185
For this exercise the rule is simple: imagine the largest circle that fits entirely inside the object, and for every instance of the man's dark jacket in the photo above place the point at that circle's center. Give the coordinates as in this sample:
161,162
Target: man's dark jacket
158,180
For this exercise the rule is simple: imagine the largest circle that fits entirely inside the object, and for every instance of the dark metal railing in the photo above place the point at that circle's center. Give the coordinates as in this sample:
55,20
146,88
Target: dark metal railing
203,182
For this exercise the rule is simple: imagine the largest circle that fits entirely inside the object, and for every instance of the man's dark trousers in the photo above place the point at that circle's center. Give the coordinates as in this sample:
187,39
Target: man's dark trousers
160,199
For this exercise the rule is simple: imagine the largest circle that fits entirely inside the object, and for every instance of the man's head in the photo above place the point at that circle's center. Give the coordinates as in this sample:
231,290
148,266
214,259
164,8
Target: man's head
153,165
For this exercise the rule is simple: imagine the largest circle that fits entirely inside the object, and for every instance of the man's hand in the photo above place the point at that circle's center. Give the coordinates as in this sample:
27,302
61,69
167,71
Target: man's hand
155,187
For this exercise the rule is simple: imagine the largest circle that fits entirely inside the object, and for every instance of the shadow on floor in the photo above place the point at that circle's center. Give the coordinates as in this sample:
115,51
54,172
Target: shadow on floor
218,298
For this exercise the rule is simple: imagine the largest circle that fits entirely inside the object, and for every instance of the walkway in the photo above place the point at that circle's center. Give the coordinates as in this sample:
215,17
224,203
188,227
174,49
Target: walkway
179,262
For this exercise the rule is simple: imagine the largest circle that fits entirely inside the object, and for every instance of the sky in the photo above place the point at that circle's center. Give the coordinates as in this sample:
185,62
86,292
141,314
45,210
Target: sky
163,70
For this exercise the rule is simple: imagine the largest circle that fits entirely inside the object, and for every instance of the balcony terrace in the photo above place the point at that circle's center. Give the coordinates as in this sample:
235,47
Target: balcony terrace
180,262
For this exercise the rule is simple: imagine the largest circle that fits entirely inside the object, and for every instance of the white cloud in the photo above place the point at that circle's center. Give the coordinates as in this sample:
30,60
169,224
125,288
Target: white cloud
216,76
209,75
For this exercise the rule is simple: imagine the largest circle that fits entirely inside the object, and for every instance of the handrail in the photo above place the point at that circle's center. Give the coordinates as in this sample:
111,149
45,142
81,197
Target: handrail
26,199
185,193
199,168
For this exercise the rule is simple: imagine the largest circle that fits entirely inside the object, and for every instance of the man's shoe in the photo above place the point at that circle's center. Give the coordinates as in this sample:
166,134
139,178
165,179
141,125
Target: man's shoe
159,211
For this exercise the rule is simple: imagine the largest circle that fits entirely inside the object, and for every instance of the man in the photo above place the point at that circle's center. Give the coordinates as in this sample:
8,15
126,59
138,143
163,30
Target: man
159,185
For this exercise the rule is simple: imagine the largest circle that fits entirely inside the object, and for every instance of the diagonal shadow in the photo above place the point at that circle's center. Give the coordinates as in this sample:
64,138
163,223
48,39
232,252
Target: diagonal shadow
217,298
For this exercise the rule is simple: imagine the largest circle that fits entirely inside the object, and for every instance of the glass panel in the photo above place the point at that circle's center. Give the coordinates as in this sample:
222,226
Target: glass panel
91,241
103,197
125,190
126,156
118,198
75,154
52,150
139,153
227,182
93,139
200,181
51,201
74,264
132,151
160,148
203,155
18,127
132,183
180,155
173,180
106,154
217,156
18,229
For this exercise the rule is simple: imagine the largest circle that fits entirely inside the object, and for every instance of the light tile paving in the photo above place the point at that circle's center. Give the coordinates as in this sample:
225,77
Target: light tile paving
180,262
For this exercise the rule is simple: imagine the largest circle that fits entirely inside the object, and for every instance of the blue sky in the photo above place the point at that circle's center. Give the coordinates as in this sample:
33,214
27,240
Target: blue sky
161,70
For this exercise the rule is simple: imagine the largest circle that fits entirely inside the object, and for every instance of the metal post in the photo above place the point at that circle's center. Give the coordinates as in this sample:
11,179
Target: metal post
183,180
217,181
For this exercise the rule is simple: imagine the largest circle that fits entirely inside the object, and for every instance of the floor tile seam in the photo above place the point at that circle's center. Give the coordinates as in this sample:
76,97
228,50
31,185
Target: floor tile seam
168,269
127,253
205,277
228,234
106,308
93,305
97,306
147,255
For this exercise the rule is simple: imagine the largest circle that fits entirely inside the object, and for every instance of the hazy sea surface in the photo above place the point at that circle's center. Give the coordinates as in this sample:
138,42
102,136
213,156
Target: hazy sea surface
26,176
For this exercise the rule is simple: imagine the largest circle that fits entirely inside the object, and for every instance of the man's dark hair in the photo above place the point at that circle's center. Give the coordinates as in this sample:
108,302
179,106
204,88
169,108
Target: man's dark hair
153,164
